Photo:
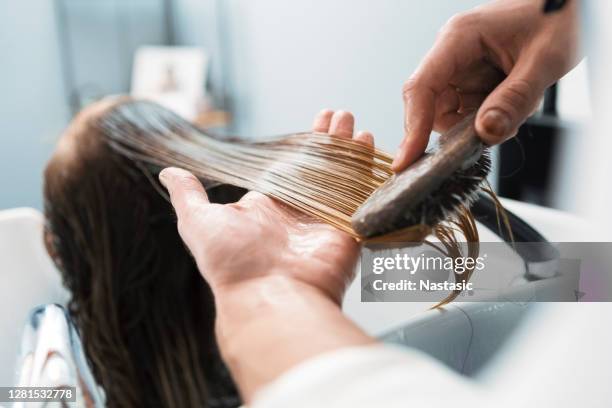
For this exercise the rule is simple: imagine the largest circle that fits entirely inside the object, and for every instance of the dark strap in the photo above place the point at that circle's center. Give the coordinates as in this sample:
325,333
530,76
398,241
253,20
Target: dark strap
485,212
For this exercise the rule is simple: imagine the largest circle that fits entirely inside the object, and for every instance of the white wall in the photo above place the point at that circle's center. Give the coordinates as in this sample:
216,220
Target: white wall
275,63
32,101
34,106
289,59
593,189
285,61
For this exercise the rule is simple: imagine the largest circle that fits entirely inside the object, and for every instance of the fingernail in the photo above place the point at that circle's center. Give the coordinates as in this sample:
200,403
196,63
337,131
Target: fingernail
496,123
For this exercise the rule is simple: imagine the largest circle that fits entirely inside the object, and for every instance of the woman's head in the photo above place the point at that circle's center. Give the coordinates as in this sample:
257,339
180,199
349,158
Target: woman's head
145,314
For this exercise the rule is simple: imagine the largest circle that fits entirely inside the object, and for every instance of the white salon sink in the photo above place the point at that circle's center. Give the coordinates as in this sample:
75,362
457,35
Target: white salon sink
465,336
29,279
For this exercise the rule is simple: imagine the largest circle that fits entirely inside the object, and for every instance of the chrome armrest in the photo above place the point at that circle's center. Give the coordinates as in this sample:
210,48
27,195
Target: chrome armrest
52,356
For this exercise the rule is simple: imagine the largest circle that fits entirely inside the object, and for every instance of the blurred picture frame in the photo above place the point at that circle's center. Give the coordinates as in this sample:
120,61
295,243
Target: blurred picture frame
174,77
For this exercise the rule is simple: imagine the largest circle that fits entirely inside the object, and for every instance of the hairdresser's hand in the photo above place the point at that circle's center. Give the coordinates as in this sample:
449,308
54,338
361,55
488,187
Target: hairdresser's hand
278,276
501,57
259,237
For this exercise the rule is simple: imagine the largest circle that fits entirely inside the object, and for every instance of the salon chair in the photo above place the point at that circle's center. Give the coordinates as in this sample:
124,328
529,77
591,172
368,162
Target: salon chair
52,356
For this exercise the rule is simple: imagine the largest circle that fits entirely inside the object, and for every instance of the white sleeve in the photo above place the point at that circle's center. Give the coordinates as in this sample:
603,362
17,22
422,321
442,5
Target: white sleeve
370,376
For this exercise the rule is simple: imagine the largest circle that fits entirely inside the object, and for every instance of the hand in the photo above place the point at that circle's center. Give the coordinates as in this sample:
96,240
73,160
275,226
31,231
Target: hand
278,276
498,58
259,237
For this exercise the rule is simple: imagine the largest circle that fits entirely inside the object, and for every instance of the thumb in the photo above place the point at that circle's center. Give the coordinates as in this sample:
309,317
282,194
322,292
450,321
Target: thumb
186,192
511,103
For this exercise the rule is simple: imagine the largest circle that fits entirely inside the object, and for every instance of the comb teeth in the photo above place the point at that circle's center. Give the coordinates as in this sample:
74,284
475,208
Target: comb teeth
461,188
431,189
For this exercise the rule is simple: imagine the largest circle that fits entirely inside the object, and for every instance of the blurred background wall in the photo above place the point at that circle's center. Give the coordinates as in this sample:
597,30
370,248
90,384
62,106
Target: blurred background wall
33,108
274,64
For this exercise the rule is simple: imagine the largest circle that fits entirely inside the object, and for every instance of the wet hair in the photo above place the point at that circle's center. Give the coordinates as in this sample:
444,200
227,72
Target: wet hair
145,314
324,176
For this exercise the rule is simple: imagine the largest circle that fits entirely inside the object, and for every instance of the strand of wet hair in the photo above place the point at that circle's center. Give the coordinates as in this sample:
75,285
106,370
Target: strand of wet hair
324,176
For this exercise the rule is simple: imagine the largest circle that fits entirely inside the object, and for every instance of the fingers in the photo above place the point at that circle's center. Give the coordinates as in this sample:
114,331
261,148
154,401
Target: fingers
322,121
511,103
186,194
456,46
453,105
342,124
365,137
419,94
419,105
339,123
